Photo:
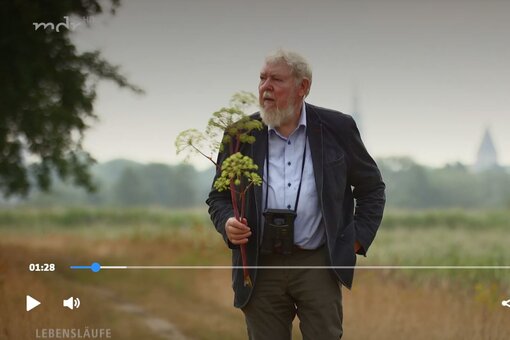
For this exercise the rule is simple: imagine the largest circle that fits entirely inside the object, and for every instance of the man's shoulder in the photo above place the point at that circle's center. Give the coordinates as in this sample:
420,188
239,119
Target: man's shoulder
330,117
256,116
324,115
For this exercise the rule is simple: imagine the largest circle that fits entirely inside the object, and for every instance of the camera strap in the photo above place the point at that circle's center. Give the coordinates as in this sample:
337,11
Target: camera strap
302,170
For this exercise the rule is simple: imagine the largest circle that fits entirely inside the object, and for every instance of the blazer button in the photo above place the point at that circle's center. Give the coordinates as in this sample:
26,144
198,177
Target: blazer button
341,235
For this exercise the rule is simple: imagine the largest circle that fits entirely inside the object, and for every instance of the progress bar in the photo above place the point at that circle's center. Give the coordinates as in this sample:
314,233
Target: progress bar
96,267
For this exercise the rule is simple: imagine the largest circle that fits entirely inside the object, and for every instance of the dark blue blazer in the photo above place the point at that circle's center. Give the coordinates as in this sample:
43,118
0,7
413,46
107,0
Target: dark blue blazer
349,187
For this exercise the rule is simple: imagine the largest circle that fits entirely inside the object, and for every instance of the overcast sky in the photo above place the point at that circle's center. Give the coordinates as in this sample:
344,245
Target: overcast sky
429,76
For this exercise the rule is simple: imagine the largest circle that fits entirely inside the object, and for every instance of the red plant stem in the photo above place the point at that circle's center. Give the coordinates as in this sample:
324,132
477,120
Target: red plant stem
246,274
243,195
208,157
234,199
238,143
243,247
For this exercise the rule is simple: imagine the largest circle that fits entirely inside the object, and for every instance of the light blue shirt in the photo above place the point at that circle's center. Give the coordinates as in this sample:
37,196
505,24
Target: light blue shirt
285,160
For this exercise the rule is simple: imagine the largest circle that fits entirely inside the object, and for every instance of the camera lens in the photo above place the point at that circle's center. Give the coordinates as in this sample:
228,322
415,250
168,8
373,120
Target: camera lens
279,221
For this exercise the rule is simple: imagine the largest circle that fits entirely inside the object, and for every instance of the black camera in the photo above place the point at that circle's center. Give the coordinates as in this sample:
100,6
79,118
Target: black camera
278,231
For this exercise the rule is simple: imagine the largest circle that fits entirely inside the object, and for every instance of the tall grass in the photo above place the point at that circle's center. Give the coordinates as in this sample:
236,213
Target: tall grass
462,219
90,218
122,217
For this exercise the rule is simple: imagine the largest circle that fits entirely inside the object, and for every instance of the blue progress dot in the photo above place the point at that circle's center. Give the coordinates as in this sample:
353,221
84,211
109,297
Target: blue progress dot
95,267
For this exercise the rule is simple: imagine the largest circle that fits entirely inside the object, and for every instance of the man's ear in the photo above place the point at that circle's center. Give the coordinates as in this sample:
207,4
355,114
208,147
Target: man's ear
304,87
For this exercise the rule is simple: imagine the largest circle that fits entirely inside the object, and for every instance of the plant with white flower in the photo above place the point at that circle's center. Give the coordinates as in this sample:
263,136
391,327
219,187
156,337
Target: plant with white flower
237,172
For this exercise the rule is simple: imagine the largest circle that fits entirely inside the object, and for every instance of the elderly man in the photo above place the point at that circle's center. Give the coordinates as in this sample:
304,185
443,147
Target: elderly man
321,189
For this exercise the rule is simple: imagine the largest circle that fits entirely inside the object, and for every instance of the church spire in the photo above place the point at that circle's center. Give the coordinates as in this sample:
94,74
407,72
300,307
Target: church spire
487,156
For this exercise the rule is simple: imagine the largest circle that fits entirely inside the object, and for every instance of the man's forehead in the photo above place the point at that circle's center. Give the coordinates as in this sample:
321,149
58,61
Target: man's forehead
280,68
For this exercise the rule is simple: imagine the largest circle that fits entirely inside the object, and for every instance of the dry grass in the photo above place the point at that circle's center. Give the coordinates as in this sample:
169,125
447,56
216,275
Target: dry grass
382,305
50,288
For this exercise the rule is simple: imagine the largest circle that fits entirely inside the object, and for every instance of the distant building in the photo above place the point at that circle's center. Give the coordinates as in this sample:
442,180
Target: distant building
487,156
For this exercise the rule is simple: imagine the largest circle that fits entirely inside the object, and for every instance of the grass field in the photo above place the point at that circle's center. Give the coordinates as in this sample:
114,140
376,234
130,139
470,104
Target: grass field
197,304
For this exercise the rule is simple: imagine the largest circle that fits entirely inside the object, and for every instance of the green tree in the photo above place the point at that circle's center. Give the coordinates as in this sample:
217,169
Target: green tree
408,183
168,183
131,189
183,190
48,90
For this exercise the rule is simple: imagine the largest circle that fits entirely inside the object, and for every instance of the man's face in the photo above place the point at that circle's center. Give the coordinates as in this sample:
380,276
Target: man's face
277,93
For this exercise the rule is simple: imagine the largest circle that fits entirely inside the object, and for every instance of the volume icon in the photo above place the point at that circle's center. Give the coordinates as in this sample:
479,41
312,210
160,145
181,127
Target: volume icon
72,303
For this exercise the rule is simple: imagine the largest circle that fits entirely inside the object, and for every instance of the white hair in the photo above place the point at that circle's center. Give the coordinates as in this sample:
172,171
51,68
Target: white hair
299,66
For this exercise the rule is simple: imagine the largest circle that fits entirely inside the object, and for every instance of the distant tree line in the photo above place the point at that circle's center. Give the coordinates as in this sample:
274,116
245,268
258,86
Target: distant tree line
129,184
414,186
409,186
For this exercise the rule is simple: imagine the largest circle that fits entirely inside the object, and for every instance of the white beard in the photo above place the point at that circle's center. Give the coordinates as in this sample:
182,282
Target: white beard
275,117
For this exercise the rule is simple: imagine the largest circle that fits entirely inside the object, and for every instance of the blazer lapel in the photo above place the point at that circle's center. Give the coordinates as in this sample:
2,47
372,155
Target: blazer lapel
315,139
258,154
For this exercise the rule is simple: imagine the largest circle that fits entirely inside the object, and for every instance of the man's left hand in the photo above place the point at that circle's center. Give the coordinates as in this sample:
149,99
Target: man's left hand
357,246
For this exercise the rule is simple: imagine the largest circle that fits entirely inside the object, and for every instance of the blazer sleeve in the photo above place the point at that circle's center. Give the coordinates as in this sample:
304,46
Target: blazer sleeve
368,191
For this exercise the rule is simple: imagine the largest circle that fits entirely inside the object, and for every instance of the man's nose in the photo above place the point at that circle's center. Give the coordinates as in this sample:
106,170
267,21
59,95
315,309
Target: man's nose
266,85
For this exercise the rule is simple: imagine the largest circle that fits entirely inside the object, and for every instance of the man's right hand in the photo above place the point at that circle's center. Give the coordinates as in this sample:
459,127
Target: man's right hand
237,232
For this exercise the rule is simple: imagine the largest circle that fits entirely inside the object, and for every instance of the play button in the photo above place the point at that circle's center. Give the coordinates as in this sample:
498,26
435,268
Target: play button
32,303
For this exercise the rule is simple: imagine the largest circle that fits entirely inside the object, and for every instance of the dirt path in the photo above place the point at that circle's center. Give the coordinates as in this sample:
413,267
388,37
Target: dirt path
162,328
15,281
